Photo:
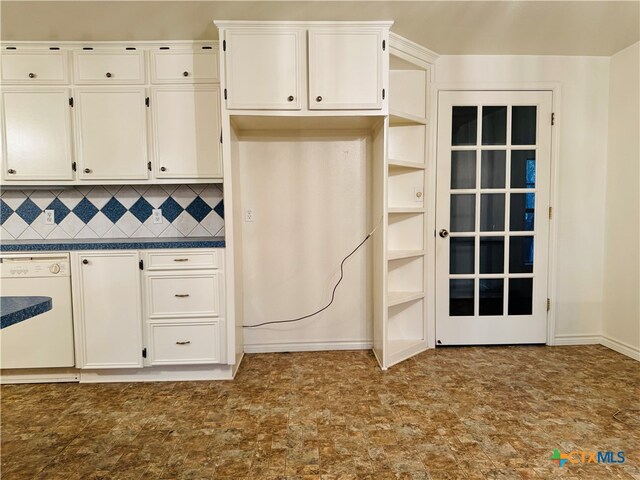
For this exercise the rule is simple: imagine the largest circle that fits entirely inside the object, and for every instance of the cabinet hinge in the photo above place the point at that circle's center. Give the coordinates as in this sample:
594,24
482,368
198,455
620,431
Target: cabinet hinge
550,213
548,304
220,136
553,119
225,93
144,353
147,102
149,166
141,264
224,45
384,45
74,166
383,93
71,102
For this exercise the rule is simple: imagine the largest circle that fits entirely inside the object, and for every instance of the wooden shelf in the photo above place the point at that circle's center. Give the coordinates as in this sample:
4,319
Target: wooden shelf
398,254
397,298
402,164
413,210
397,118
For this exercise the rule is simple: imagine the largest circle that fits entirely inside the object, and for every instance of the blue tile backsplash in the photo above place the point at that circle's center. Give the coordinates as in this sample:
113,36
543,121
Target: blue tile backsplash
113,211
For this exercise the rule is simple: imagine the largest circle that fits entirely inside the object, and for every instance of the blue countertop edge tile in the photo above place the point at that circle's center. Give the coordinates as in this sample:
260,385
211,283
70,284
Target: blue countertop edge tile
18,309
109,244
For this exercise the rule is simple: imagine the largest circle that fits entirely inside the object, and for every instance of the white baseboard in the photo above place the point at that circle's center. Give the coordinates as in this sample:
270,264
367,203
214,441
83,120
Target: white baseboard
306,347
158,374
579,339
621,347
39,375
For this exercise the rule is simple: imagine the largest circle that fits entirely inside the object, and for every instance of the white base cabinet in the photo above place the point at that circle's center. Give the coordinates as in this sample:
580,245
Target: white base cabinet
107,309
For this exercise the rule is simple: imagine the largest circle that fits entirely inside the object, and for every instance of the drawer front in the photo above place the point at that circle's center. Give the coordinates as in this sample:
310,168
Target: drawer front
185,261
185,343
92,67
184,67
184,295
35,67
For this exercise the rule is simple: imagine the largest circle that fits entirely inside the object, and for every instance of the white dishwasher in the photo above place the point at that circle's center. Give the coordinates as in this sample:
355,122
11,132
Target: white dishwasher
45,340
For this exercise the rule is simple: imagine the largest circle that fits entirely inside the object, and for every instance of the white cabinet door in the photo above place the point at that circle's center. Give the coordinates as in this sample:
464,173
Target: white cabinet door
36,134
111,133
186,124
264,68
345,68
107,309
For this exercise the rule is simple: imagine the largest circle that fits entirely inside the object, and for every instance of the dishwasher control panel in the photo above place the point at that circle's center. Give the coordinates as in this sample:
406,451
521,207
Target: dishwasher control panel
34,266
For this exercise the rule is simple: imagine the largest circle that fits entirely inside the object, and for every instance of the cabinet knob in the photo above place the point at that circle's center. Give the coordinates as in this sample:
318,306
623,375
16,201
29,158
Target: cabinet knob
290,98
163,169
318,98
11,171
186,74
32,75
85,261
87,170
108,75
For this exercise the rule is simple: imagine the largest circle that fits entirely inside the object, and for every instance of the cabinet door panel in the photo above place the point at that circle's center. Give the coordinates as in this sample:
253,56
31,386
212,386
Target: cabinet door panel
36,134
186,122
111,133
264,69
345,69
107,310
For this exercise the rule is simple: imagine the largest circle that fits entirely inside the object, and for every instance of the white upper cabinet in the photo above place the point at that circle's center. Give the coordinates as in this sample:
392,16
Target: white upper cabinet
346,68
186,131
198,65
33,67
36,136
111,140
109,67
264,68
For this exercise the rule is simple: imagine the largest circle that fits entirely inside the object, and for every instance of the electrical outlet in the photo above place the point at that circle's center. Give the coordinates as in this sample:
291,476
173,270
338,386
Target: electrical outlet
248,215
49,217
417,194
157,215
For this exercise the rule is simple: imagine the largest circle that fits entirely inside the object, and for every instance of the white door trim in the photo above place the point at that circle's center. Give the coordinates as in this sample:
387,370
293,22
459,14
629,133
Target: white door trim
556,89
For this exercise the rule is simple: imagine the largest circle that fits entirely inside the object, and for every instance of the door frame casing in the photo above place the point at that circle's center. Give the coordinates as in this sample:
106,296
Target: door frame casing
555,89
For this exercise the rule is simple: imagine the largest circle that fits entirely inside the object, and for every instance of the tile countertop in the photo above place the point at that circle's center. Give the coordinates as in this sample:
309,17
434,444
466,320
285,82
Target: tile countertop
17,309
109,244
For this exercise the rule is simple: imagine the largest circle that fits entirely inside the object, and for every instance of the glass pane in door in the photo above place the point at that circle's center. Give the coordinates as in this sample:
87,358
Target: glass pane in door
521,254
492,212
522,212
464,127
462,255
493,168
523,125
523,169
463,213
461,297
491,254
494,125
520,296
463,169
491,296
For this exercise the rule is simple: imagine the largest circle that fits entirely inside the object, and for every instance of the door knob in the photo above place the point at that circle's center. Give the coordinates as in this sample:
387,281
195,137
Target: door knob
318,98
85,261
444,233
108,75
290,98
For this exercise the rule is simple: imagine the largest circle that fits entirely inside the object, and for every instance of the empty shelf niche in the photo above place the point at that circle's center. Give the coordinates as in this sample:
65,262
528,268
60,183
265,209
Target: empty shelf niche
407,96
406,231
406,327
406,189
406,280
407,146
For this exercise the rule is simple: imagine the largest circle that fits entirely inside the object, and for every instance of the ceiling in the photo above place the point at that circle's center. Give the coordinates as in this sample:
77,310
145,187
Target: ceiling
446,27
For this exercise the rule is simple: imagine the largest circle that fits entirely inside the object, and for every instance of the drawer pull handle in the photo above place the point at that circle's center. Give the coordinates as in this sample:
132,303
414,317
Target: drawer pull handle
180,259
182,295
184,343
32,75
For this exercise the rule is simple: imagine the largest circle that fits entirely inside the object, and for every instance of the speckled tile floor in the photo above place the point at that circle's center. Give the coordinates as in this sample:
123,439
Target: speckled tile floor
476,413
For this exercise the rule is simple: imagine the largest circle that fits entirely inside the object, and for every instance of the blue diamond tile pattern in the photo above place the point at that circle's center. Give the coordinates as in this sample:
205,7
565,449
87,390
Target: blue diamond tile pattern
141,209
5,211
85,210
60,210
171,209
28,211
219,209
198,209
113,210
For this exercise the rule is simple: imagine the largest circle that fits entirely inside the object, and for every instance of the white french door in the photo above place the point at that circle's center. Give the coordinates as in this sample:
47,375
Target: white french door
492,217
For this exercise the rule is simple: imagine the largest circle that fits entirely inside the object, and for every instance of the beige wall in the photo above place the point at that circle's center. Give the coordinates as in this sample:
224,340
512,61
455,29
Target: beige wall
621,313
580,205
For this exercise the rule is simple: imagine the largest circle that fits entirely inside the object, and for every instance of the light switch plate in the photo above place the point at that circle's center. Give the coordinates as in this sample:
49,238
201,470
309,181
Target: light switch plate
157,215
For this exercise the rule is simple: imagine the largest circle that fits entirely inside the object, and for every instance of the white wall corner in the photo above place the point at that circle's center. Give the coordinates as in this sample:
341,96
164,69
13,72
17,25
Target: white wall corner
621,347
